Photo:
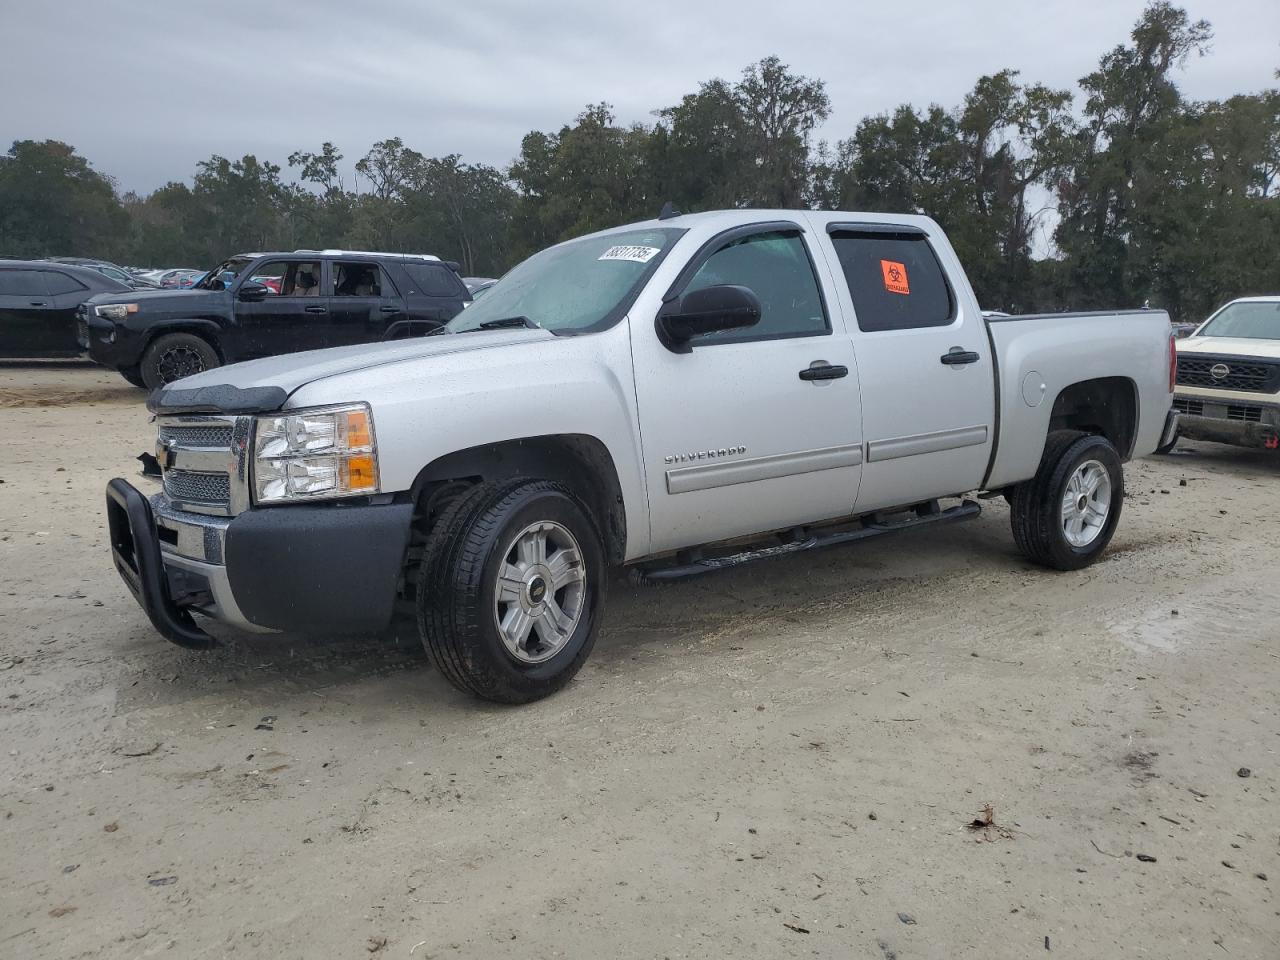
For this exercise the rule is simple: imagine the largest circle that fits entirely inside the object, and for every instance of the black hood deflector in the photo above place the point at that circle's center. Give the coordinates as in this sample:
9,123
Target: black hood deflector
219,398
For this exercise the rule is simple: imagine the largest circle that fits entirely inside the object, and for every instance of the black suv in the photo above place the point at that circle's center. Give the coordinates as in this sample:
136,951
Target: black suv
263,304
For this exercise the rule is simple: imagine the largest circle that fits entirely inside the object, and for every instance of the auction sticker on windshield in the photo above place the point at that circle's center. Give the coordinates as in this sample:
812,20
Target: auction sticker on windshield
636,254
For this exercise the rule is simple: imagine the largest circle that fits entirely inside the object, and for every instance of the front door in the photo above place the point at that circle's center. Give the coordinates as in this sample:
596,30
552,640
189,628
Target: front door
752,429
293,316
924,362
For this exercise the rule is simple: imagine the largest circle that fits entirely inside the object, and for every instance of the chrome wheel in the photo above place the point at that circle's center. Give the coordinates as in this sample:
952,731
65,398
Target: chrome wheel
1086,503
540,593
178,362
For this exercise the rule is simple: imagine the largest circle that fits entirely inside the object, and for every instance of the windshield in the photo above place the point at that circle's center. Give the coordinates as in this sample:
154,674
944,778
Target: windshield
575,287
221,276
1252,321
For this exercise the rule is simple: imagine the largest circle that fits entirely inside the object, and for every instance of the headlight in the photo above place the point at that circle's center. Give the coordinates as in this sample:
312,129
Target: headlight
115,311
314,454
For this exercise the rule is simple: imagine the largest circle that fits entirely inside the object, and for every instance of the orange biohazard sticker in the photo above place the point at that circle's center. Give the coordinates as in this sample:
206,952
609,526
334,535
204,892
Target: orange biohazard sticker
895,276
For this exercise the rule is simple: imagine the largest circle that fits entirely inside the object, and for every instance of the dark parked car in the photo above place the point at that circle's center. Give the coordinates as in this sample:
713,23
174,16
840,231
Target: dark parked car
327,298
38,302
110,270
170,279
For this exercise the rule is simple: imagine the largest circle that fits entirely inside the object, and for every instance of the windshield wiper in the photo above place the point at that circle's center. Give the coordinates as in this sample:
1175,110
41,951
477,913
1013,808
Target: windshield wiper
509,322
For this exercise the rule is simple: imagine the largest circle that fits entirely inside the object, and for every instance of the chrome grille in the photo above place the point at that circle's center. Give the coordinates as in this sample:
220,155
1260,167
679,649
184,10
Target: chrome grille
215,436
1234,373
187,486
203,462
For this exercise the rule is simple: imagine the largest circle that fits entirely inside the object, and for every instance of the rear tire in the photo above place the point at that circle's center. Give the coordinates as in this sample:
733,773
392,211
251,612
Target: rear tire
176,355
133,375
511,590
1066,514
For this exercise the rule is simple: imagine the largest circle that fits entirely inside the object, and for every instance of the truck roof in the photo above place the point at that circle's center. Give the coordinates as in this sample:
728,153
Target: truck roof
726,219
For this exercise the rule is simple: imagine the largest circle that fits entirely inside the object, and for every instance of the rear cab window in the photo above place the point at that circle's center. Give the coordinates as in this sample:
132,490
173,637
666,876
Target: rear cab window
895,279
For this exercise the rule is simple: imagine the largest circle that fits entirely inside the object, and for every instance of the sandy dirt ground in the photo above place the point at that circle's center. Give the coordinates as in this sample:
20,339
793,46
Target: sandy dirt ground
780,761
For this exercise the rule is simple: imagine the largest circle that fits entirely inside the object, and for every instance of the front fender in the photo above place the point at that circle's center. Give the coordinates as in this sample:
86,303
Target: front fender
426,408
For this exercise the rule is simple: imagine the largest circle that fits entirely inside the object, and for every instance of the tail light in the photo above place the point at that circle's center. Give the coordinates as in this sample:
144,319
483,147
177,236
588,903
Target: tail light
1173,362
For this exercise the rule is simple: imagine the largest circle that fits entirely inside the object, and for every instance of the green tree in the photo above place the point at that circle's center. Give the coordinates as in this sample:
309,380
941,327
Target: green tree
53,203
740,145
319,216
586,177
1131,107
464,211
780,111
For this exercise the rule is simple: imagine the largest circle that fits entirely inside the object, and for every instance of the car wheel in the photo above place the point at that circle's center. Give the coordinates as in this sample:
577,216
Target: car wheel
174,356
1066,514
133,375
511,590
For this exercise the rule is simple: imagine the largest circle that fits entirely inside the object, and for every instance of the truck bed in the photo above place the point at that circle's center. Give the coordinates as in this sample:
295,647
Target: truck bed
1037,355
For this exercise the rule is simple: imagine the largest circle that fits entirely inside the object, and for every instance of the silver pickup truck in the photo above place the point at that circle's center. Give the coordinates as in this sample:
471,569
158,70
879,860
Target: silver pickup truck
678,396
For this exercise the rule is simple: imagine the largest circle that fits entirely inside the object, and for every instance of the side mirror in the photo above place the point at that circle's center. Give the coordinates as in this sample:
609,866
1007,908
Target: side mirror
251,291
709,310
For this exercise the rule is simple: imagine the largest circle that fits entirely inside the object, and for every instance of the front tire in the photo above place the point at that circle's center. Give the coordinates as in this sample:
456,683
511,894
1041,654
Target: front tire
511,590
176,355
1066,514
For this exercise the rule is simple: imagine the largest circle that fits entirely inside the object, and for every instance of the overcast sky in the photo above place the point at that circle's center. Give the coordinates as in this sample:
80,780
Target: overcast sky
146,88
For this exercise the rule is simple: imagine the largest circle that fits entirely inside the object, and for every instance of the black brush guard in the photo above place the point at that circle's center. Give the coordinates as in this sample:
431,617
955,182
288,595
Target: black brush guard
135,551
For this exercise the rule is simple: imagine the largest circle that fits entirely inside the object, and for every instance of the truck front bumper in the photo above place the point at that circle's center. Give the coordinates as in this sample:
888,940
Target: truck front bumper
331,568
1242,425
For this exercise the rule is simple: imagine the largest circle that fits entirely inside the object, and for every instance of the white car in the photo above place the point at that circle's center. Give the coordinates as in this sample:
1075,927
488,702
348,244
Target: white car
1229,376
679,396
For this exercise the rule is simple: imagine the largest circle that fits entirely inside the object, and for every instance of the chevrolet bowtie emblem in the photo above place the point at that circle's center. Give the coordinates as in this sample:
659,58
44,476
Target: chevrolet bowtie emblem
164,453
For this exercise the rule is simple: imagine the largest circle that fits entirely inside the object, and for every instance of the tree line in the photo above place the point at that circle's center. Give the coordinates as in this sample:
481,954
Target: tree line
1119,193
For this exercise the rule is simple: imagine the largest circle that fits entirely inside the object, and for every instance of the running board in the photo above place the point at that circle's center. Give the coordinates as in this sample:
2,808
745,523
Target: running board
691,563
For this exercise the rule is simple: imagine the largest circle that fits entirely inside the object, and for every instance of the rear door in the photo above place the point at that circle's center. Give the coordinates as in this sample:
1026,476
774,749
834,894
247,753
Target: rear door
296,318
363,302
924,361
28,319
753,429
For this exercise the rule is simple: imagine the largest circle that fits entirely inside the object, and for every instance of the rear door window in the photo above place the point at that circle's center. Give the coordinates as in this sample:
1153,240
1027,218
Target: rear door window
433,280
23,283
895,281
360,280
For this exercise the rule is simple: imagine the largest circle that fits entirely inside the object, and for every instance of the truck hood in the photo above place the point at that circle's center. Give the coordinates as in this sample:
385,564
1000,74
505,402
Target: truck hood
264,385
161,300
1231,346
